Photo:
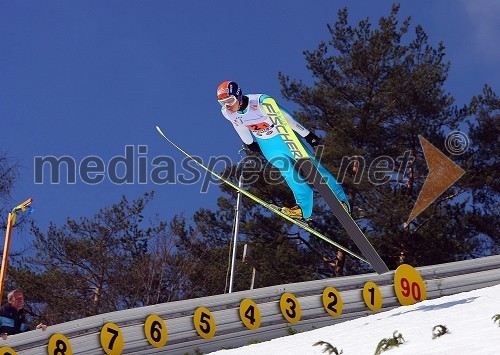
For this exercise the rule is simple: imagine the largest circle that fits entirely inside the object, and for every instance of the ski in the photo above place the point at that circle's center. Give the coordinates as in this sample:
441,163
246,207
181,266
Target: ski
269,206
305,164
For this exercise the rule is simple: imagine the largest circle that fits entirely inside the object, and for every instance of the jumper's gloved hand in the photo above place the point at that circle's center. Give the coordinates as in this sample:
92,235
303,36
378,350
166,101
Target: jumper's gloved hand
252,147
312,139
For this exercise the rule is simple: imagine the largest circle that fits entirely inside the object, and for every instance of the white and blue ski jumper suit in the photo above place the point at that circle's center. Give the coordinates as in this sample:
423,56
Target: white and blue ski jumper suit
253,124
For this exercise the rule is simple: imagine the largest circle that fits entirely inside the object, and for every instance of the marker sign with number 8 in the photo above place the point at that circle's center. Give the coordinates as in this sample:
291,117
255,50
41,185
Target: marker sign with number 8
59,345
5,350
409,285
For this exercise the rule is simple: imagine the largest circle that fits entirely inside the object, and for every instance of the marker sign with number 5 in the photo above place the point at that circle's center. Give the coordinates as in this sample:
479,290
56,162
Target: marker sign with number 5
204,323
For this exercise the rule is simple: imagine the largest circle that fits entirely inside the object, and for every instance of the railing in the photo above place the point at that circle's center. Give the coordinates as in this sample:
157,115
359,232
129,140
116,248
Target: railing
83,335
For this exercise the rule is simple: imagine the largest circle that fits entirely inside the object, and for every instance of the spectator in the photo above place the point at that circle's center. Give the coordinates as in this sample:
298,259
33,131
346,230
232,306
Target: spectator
12,315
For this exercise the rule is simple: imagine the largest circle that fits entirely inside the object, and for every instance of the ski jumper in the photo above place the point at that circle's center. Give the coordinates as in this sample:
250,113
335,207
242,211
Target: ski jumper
252,124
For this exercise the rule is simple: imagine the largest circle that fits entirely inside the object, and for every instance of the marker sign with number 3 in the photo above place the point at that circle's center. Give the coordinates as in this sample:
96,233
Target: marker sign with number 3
290,307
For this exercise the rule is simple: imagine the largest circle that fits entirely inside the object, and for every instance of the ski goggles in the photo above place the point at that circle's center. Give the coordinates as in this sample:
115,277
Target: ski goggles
228,101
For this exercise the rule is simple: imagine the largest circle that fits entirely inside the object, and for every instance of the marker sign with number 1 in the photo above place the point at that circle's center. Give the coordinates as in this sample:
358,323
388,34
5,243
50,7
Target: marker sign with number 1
372,296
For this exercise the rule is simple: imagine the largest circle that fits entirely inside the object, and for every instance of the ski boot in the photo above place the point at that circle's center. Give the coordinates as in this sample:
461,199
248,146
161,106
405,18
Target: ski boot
346,207
295,213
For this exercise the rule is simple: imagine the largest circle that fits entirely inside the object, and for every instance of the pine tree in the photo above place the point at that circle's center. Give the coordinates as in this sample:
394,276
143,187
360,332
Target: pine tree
97,265
480,159
206,244
9,173
375,91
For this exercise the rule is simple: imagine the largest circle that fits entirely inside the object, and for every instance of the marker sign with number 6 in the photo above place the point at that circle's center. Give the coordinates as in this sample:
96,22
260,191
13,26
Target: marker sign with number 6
156,331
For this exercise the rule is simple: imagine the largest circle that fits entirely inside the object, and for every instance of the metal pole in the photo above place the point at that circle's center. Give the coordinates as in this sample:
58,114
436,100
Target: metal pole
247,259
236,228
5,256
8,233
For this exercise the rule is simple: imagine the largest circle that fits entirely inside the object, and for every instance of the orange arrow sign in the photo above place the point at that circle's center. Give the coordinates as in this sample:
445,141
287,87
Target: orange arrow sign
442,174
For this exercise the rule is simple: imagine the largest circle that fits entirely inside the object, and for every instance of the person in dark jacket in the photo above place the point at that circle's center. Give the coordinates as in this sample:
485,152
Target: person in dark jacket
12,315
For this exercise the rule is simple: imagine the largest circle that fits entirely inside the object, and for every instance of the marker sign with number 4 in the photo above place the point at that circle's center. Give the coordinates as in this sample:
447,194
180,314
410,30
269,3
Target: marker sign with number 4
250,314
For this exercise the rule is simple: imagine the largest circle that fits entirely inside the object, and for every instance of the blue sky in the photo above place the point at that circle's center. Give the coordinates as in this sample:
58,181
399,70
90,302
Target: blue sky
87,78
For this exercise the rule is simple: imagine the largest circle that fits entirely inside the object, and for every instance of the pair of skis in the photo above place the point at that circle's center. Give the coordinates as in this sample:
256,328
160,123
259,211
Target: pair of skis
307,166
262,202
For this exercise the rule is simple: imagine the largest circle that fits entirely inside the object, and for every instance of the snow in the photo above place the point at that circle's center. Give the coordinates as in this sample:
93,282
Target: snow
468,316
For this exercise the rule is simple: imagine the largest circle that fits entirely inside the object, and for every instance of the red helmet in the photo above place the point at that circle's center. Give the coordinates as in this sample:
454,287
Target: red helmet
226,90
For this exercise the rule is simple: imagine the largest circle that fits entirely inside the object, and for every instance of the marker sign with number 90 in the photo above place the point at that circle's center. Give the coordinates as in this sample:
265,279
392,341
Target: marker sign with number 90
409,285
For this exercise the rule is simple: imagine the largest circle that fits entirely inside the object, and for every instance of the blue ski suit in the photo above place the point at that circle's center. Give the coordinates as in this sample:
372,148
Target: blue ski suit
253,125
